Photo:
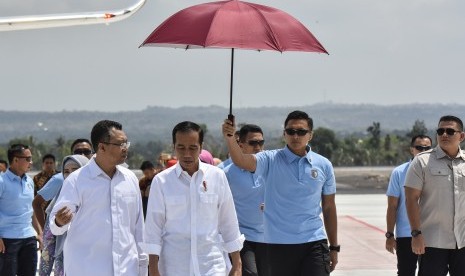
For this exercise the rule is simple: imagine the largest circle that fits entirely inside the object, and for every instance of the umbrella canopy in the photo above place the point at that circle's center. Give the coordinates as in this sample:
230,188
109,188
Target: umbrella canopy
234,24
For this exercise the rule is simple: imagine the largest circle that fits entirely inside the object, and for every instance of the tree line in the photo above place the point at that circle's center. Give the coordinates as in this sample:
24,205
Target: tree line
371,148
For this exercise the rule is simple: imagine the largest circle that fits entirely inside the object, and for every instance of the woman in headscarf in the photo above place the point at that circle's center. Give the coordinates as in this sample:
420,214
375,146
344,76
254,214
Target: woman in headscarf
53,245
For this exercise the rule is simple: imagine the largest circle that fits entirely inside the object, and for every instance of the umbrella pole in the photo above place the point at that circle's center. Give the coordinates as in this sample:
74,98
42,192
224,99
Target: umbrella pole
231,85
230,115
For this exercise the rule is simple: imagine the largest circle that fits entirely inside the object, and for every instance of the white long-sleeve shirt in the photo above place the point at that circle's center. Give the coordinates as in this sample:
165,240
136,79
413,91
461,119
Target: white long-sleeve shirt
105,236
186,217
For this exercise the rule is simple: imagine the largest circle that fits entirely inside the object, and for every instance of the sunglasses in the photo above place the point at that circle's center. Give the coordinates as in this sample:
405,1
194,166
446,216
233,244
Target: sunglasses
299,132
448,131
254,143
82,151
422,148
27,158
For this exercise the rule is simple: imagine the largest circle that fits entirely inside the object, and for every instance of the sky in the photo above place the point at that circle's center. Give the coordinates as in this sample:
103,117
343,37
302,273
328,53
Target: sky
380,52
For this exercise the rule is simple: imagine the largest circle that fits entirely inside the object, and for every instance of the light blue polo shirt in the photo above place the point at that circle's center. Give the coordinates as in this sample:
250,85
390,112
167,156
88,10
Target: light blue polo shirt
248,192
225,163
294,186
396,189
16,195
52,187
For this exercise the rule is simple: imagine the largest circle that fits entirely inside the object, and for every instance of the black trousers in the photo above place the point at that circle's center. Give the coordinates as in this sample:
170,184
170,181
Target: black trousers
20,257
254,260
406,259
438,261
306,259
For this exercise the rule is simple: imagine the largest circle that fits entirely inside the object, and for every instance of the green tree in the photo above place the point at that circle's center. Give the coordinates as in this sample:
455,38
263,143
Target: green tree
324,142
418,128
375,131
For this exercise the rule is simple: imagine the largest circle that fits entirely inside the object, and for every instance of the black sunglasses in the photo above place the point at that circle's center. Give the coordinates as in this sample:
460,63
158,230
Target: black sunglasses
422,148
28,158
254,143
82,151
448,131
299,132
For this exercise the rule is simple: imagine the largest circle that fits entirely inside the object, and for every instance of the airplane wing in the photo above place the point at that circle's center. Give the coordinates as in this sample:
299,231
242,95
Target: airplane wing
69,19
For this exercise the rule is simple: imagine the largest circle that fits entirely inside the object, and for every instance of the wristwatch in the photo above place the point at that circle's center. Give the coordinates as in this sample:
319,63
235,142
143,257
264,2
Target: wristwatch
336,248
389,235
415,233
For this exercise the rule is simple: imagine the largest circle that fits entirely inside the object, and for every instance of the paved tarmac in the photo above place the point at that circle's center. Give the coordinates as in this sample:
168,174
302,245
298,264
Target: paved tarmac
361,227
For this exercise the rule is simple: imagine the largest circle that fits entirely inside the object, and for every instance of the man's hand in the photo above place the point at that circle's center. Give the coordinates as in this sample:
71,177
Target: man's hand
2,246
333,258
235,271
418,245
236,261
229,129
63,216
41,242
391,245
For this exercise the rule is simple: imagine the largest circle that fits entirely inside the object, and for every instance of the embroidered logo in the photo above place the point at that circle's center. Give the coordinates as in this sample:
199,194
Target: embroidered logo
314,173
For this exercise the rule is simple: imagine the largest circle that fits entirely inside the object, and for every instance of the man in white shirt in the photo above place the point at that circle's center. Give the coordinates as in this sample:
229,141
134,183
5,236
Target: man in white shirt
191,219
100,207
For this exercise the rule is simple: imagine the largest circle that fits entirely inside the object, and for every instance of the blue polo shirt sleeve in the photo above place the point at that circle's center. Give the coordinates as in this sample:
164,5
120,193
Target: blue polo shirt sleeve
394,184
329,187
52,187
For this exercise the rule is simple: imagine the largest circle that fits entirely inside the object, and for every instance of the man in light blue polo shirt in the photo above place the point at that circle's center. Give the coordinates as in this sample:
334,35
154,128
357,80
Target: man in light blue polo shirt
299,186
248,193
18,241
396,214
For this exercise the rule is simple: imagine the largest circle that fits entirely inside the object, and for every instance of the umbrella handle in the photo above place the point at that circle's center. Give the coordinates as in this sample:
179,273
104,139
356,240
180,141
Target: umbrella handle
231,118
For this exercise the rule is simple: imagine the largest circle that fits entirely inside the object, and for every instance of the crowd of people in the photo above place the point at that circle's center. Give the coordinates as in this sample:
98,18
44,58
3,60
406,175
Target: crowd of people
260,212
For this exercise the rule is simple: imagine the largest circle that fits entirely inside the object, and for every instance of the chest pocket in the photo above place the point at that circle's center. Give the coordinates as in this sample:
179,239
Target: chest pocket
208,205
176,207
312,180
440,177
127,208
461,179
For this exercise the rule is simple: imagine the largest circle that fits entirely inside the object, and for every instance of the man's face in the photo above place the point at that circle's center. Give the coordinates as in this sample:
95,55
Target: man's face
115,149
48,165
83,149
188,148
22,162
420,145
253,143
450,143
297,141
2,167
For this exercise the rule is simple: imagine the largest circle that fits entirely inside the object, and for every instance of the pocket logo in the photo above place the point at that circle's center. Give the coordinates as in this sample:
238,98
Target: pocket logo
314,173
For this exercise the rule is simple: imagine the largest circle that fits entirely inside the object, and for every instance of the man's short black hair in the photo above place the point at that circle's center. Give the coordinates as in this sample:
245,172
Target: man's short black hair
246,129
78,141
48,156
16,150
146,165
420,136
450,118
101,131
299,115
4,162
187,126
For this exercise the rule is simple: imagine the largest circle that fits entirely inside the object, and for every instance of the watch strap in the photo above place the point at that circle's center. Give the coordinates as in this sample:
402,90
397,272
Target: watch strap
336,248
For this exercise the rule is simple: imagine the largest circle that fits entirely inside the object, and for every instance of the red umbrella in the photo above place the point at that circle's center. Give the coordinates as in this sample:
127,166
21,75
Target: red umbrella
234,24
